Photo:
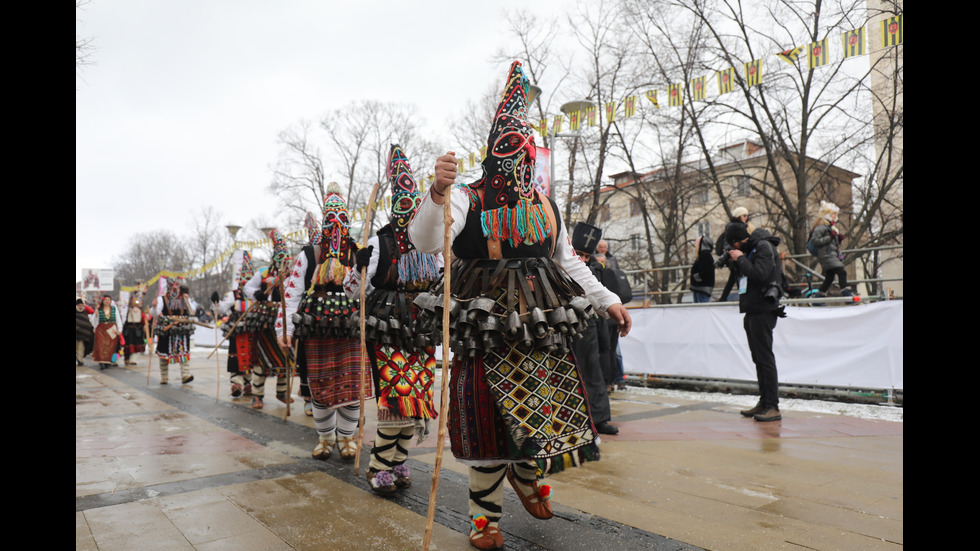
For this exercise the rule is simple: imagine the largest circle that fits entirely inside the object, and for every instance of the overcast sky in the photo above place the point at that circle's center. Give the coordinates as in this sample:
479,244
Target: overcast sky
183,101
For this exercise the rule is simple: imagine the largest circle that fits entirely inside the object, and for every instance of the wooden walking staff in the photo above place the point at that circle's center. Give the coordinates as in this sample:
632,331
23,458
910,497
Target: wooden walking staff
149,346
447,257
368,211
286,351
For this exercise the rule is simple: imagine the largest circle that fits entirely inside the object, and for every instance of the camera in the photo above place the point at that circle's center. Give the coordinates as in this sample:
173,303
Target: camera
724,259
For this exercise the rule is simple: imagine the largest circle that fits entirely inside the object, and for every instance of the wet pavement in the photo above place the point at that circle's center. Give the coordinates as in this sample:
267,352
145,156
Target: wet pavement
176,467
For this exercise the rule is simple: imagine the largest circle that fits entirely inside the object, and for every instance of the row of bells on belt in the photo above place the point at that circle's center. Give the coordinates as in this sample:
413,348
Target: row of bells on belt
179,327
259,318
328,325
474,327
394,332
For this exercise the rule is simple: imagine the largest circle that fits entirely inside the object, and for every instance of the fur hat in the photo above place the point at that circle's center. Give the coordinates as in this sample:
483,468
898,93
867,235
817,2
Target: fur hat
740,211
828,211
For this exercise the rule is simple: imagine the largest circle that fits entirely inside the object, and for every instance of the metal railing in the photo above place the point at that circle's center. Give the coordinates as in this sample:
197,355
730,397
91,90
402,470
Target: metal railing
680,288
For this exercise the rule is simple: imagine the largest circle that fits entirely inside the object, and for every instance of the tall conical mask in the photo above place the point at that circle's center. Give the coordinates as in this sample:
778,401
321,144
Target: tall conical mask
404,196
509,211
413,266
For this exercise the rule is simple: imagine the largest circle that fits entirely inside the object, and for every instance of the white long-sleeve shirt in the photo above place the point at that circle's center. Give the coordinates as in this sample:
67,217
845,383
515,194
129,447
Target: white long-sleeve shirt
352,282
426,231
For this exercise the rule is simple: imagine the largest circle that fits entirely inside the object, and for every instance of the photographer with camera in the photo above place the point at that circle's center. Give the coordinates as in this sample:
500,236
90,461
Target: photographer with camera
739,216
759,289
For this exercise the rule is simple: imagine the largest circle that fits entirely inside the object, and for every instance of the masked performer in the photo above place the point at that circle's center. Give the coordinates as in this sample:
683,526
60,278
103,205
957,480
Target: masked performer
134,332
517,402
173,329
319,314
264,289
241,343
401,358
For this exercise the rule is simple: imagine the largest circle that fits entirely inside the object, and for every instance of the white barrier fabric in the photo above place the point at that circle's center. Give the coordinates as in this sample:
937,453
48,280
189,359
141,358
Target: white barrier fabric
857,345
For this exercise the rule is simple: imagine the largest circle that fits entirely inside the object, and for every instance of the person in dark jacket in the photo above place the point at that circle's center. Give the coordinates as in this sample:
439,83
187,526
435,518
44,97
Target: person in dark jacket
758,268
826,237
703,271
84,332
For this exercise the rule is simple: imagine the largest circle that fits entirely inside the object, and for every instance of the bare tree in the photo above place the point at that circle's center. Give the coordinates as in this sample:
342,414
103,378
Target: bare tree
298,177
210,240
84,45
150,253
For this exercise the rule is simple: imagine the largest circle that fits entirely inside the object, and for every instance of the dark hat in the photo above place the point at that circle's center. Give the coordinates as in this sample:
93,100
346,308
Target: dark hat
585,237
735,232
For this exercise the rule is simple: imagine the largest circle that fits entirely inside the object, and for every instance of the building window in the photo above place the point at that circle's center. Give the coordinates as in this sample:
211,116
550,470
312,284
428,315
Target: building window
634,207
702,195
742,185
634,242
704,229
604,215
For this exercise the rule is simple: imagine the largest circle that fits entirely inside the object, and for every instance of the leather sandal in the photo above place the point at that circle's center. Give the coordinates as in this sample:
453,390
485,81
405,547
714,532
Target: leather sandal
539,506
348,448
382,482
308,409
236,390
486,538
281,396
257,402
323,449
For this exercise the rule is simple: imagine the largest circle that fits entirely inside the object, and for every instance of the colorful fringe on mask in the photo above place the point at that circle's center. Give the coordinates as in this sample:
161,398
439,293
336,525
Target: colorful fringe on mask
524,223
415,268
331,270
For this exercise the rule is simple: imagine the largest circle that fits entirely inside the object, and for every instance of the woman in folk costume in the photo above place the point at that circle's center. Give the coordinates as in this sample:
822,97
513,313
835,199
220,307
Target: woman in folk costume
270,359
241,345
134,333
319,314
173,331
108,327
517,302
401,358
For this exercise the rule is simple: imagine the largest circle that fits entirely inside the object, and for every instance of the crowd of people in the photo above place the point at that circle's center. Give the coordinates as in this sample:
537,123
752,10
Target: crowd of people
535,321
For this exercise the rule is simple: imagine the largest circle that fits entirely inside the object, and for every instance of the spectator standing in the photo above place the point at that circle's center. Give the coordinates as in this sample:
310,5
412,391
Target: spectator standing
592,350
84,332
825,239
739,215
759,288
703,271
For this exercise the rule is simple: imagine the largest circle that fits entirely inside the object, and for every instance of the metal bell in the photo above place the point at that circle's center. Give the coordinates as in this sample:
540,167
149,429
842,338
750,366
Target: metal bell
539,323
514,325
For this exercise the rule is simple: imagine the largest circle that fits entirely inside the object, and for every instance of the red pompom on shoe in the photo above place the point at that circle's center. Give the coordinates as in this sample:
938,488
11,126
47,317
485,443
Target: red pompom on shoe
544,491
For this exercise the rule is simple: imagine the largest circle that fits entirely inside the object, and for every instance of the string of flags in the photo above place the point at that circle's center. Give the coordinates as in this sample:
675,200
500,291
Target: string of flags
853,44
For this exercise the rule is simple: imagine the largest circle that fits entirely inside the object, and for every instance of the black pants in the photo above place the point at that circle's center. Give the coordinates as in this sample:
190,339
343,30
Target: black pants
758,330
828,275
586,352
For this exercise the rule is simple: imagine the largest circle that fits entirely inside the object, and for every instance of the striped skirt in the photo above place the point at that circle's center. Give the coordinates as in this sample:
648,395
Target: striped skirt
334,371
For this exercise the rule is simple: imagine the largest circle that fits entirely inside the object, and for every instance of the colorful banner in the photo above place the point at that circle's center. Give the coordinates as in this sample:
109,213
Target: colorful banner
98,279
816,53
652,96
853,43
674,98
891,31
753,73
697,89
611,107
790,56
726,80
629,107
556,125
